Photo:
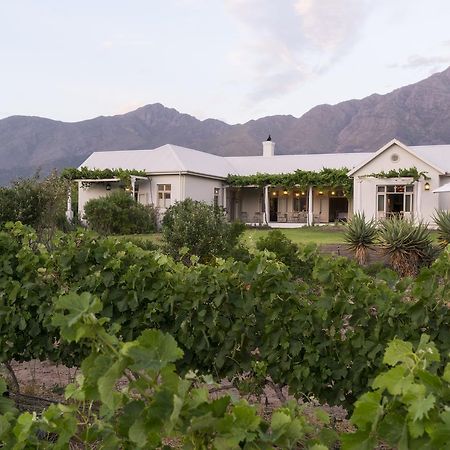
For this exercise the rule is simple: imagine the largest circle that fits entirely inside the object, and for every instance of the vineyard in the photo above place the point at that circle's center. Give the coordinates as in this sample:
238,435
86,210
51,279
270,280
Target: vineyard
376,344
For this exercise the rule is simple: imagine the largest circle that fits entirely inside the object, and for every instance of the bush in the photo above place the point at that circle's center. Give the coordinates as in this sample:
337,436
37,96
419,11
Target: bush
35,202
144,244
300,260
118,213
201,229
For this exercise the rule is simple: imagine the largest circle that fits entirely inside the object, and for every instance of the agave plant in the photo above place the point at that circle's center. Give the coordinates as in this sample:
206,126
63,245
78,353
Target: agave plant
408,245
360,236
442,220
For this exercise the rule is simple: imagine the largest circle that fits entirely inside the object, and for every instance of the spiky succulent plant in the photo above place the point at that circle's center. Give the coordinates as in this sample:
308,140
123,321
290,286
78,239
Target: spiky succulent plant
360,236
442,220
407,244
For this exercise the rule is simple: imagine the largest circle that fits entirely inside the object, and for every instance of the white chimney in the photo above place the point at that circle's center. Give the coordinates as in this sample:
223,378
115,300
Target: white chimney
268,147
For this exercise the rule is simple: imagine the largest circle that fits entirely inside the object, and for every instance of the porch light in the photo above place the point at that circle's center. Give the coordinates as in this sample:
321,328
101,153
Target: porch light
274,193
427,186
303,193
333,193
297,194
108,186
285,192
320,192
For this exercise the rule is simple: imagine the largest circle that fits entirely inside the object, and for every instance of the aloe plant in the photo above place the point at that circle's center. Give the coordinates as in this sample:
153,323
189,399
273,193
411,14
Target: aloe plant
442,220
360,236
408,245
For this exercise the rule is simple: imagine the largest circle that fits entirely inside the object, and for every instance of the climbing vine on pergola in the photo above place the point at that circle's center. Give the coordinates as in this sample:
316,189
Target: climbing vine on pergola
325,179
411,172
84,173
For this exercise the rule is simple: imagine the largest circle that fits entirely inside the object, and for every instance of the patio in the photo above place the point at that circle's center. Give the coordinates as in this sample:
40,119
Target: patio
280,207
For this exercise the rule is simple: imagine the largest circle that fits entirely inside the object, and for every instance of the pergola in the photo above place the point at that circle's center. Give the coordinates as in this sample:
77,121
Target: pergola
88,181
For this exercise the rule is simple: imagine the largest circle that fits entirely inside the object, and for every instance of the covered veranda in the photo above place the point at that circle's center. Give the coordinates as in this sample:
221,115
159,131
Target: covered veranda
278,206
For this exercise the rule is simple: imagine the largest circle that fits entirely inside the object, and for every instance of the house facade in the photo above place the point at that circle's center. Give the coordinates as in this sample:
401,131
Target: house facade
175,173
378,196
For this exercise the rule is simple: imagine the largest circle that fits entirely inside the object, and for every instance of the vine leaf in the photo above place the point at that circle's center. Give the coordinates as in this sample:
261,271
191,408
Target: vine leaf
420,406
398,351
152,350
367,409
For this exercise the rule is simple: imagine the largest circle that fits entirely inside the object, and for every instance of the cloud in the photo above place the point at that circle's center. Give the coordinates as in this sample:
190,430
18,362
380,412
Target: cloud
418,61
285,42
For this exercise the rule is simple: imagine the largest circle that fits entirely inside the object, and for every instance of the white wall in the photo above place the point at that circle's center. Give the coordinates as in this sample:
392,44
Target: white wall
365,195
201,189
251,203
320,207
95,190
444,197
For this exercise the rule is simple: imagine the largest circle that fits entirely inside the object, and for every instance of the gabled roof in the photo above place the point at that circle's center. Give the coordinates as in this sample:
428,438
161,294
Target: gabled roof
437,155
165,159
250,165
433,155
172,159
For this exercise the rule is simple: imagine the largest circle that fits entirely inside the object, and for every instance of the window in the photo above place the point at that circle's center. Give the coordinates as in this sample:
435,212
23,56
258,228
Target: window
381,203
395,200
216,197
164,195
299,204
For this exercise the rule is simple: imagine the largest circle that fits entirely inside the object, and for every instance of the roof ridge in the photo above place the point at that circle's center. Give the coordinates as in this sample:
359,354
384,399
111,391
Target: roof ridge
174,152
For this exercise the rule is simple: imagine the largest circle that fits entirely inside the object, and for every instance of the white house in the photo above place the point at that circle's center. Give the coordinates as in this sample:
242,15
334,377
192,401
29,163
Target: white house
175,173
381,197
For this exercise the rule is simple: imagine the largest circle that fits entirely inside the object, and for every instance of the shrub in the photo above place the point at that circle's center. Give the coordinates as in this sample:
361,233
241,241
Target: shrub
408,246
144,244
35,202
300,260
442,220
201,229
360,236
118,213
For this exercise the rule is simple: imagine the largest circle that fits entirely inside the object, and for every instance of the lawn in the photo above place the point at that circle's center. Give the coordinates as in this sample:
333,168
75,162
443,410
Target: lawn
322,235
318,235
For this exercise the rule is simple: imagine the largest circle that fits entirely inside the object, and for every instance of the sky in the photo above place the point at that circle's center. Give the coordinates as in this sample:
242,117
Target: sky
232,60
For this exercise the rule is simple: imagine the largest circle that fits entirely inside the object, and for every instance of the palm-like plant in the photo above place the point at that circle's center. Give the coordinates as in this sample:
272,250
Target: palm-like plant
408,245
360,236
442,220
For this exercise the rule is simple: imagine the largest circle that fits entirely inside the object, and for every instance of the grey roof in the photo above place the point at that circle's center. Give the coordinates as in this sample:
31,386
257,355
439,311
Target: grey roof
438,155
166,159
443,188
248,165
174,159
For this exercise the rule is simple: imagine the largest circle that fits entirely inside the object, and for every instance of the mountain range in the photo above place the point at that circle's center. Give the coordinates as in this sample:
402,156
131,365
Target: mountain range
417,114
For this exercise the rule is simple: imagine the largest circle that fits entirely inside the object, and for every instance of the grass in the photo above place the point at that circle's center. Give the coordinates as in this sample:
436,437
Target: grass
156,238
322,235
318,235
305,235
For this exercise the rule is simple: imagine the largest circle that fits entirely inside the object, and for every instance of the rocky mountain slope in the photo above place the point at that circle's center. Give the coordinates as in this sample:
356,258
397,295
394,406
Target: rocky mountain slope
416,114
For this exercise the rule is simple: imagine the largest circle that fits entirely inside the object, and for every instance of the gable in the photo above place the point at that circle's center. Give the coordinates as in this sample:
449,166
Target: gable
394,156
